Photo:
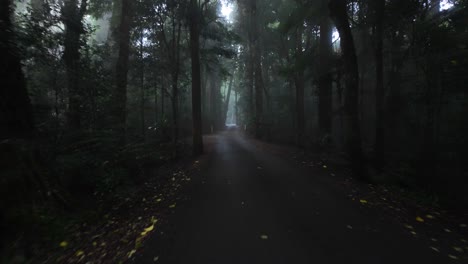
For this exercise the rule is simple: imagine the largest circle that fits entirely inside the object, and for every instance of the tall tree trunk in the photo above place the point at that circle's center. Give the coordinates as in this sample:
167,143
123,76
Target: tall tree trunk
196,78
72,17
325,78
156,112
257,72
379,86
236,108
251,6
258,96
16,118
228,98
175,80
338,13
120,93
299,85
142,86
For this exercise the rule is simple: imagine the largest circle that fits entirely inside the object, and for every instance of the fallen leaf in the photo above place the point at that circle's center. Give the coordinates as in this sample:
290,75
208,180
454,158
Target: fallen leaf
79,253
363,201
349,227
458,249
131,253
325,166
419,219
264,237
447,230
63,244
452,256
429,216
147,230
155,259
435,249
172,206
414,233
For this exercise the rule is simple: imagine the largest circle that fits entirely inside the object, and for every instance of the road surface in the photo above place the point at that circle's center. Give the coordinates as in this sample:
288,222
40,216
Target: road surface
249,205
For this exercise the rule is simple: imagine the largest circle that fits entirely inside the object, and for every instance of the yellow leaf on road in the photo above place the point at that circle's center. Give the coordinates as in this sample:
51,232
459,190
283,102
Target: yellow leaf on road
131,253
147,230
172,206
419,219
264,237
363,201
63,244
79,253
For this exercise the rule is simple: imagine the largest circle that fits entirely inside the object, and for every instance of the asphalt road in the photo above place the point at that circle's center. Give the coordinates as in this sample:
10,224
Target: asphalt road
249,205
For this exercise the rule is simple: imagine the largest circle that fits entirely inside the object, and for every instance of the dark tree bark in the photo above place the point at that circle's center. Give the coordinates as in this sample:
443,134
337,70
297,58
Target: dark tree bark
257,70
325,77
236,108
251,6
16,119
258,95
338,13
196,78
228,98
142,86
120,93
175,78
299,85
379,86
72,17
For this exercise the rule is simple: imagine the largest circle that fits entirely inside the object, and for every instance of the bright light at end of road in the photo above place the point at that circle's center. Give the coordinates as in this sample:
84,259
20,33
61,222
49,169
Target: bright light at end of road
226,10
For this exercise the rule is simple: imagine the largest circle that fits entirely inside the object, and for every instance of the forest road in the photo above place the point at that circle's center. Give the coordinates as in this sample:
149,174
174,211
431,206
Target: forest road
249,205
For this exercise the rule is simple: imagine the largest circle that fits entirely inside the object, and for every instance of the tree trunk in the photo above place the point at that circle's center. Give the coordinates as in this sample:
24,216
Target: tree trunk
163,96
258,95
142,87
175,80
338,13
236,108
257,72
228,98
379,86
72,17
196,78
16,118
156,112
120,93
325,78
299,85
250,64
